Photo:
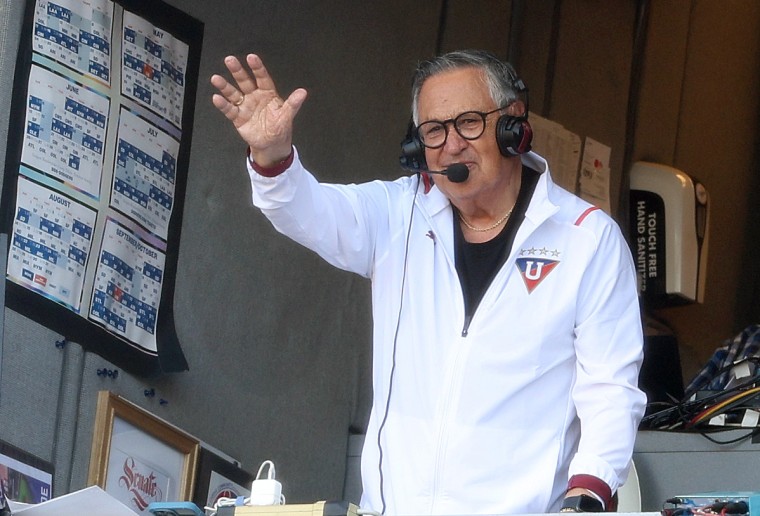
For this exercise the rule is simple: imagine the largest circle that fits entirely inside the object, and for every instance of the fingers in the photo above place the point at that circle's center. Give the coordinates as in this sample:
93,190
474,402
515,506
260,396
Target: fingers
263,79
229,93
245,82
254,96
295,101
228,109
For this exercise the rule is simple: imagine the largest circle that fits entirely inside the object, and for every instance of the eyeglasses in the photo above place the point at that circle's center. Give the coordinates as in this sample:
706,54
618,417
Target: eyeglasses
469,125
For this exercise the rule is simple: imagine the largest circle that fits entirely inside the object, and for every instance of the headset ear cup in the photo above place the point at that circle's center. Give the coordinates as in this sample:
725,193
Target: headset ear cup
513,135
412,151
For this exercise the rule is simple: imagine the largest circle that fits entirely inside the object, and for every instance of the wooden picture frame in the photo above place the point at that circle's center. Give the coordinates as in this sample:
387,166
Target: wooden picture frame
138,457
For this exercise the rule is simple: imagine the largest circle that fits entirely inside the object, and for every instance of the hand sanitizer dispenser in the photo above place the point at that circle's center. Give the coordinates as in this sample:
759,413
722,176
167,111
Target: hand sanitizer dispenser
669,222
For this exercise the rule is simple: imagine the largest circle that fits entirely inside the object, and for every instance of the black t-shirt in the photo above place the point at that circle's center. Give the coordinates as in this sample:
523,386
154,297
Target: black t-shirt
478,263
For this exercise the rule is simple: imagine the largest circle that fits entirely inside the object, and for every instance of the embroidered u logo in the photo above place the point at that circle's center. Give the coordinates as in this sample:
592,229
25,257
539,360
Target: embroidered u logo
534,270
533,273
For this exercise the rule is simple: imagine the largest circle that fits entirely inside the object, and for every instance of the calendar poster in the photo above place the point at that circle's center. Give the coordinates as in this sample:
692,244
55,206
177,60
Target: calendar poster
144,173
65,130
76,33
50,243
128,285
154,65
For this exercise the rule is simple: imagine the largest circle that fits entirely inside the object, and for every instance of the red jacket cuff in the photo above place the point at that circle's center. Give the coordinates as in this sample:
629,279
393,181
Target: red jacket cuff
275,170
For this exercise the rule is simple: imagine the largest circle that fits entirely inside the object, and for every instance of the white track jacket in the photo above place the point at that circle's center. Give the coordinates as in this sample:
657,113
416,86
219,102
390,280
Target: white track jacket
542,385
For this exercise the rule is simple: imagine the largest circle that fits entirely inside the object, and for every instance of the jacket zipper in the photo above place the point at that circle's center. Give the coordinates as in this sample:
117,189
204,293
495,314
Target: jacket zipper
466,328
453,374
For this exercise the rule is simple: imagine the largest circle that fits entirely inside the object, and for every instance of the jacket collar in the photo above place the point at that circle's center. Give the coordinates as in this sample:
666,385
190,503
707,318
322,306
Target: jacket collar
541,205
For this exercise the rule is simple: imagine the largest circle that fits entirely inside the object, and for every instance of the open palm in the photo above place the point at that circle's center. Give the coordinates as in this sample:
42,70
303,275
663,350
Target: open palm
262,118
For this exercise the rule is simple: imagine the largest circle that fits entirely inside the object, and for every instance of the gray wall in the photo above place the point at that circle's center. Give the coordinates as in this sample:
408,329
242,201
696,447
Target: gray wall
277,341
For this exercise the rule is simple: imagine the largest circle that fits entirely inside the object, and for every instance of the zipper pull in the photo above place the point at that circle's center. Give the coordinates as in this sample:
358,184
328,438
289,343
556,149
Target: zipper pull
466,328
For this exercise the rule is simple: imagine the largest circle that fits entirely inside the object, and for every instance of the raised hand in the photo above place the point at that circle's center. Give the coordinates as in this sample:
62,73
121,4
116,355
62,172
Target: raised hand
262,118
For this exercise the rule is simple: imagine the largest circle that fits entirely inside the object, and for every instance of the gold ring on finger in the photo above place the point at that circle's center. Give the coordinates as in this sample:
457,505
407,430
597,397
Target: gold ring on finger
239,101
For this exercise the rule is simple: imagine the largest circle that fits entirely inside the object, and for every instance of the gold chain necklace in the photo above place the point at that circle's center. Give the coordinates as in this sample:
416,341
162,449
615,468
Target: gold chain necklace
489,228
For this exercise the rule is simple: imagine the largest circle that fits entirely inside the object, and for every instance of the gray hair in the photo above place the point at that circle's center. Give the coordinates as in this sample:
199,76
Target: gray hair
500,77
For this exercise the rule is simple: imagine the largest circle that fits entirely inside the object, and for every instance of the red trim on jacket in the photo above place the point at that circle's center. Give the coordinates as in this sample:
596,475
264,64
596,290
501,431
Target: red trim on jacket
275,170
584,215
427,181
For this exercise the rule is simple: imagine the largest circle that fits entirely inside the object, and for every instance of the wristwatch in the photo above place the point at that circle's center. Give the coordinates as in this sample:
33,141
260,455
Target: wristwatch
581,503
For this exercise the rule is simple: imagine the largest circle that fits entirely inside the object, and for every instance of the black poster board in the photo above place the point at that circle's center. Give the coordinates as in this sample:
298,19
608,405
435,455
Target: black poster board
95,174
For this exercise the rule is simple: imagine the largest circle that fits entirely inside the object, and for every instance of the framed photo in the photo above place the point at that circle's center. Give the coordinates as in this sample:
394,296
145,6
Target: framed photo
139,458
24,477
218,478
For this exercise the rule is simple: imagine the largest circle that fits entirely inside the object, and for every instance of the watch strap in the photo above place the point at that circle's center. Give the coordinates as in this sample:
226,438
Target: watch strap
581,503
596,485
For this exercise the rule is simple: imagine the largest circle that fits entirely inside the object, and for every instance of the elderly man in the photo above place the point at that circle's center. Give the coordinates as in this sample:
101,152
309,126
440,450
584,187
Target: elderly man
507,335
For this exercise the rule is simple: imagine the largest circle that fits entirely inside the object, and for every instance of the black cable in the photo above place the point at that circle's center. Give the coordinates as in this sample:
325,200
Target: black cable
442,21
738,403
395,342
739,439
684,411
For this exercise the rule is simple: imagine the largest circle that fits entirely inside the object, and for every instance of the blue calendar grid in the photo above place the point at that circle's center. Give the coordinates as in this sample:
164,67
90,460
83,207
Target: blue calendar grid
50,122
76,35
143,185
167,69
57,231
104,301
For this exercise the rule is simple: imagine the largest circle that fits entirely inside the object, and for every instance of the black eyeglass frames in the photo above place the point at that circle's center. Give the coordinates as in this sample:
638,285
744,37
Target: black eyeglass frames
470,125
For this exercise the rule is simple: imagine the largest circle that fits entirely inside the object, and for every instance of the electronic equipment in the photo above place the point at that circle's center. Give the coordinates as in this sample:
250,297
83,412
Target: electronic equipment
669,223
719,502
514,134
412,151
323,508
